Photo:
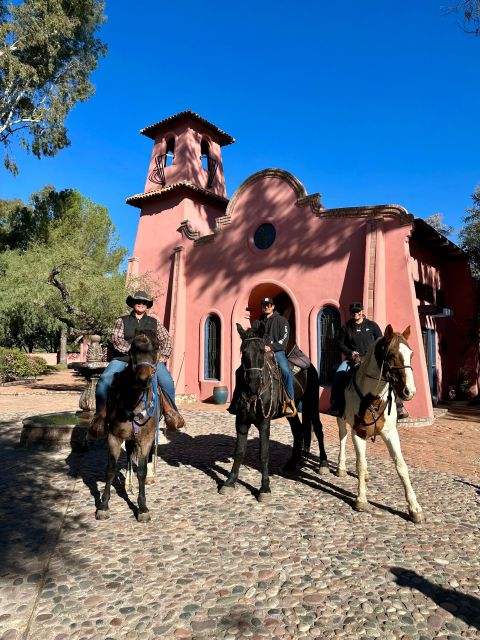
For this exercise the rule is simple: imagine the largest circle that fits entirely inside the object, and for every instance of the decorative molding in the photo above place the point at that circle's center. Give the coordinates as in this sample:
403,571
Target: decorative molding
188,231
370,211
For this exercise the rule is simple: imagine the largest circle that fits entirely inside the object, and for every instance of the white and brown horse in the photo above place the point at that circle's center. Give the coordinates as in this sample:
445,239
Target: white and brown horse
370,410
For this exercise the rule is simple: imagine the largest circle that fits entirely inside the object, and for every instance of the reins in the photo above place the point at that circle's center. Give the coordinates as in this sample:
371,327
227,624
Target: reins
253,400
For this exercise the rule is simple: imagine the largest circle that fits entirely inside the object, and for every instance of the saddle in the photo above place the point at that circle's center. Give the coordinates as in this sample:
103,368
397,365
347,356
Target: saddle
281,403
297,360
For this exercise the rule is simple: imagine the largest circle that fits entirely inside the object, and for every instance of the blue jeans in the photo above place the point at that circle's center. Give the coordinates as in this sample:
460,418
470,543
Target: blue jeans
281,358
104,383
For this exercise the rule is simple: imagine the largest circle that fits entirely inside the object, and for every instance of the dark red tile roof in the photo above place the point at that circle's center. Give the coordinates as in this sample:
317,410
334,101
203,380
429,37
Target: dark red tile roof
139,198
222,137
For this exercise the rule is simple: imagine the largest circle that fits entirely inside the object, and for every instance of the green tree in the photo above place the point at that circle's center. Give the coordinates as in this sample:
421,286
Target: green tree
73,246
470,234
48,50
436,221
469,12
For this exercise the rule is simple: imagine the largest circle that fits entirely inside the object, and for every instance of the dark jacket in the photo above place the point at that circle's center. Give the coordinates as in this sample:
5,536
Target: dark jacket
358,337
130,326
277,330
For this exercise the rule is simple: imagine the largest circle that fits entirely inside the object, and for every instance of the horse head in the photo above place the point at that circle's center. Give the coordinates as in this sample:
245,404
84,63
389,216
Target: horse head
394,356
143,357
253,357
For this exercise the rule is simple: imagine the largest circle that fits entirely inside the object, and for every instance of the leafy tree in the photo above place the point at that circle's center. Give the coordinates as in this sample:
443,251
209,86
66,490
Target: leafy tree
48,50
436,221
469,12
73,247
470,234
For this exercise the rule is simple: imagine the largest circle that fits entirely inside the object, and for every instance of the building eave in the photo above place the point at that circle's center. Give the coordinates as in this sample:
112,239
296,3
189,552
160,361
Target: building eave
140,198
223,138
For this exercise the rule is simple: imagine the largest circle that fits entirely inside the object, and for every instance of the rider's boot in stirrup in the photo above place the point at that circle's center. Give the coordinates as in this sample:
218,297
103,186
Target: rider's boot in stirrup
173,420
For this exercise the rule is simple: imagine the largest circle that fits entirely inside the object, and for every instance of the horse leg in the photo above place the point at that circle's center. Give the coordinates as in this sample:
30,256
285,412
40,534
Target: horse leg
392,440
296,427
129,445
150,479
239,454
318,430
360,445
342,434
264,429
143,450
114,448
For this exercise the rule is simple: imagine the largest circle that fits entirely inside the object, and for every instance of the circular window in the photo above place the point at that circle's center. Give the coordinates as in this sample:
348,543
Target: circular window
264,236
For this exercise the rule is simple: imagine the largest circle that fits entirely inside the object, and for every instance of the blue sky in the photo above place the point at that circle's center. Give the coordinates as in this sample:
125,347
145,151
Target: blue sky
367,102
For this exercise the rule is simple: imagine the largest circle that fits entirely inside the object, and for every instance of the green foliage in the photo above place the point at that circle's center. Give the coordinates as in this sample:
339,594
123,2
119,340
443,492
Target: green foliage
48,51
15,364
74,238
470,234
436,221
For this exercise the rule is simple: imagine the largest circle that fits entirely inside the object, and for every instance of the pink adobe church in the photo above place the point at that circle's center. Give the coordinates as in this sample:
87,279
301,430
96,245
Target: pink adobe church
217,257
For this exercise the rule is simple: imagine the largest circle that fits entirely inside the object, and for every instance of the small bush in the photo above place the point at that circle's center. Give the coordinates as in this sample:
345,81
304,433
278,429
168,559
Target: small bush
15,364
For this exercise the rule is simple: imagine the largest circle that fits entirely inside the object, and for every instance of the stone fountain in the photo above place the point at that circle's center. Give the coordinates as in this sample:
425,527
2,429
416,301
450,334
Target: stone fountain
68,429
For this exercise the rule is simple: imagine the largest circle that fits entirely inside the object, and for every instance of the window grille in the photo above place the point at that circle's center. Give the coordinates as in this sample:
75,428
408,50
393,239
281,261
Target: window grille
329,356
212,347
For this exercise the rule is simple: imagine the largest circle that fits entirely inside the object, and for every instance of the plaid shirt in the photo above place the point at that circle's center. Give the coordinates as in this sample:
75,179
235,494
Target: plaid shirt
164,339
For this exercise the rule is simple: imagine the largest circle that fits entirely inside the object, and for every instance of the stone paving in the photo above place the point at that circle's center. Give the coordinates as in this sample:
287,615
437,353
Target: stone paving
207,566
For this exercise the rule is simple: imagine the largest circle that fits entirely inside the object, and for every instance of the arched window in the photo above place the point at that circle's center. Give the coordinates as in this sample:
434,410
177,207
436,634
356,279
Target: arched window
212,347
204,154
170,153
329,356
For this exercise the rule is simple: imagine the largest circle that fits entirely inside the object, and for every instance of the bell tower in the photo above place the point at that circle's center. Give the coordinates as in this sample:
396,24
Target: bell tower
187,148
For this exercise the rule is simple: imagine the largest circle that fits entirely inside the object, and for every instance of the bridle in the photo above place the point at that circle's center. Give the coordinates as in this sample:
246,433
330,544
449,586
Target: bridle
253,400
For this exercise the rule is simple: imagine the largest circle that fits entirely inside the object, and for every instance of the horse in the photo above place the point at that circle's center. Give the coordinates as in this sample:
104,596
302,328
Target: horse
261,388
370,410
134,409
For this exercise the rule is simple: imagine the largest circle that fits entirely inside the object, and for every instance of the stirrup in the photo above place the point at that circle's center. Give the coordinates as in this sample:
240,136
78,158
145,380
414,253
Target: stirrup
290,410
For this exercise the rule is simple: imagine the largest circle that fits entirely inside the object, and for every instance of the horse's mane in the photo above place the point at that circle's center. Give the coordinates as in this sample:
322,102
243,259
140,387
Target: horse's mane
145,341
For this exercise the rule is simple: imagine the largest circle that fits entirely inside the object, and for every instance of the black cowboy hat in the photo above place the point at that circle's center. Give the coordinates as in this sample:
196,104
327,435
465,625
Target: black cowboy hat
355,307
140,296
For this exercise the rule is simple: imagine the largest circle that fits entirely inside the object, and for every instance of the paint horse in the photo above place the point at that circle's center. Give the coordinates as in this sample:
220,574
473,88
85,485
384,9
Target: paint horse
134,408
370,410
261,389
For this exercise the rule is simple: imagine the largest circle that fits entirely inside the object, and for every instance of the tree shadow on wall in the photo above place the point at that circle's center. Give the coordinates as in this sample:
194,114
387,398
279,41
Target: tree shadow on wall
461,605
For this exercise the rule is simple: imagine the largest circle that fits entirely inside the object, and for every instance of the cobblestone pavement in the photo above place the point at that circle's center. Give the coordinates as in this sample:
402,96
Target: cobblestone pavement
207,566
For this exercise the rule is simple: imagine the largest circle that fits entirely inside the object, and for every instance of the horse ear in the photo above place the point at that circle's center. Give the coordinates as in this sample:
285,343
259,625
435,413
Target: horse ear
261,330
388,332
240,330
406,333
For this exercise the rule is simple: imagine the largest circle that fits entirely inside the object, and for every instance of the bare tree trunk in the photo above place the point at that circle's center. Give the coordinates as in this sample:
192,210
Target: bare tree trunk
63,346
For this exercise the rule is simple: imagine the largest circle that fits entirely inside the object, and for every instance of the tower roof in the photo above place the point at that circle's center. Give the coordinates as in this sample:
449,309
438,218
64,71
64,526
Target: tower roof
222,137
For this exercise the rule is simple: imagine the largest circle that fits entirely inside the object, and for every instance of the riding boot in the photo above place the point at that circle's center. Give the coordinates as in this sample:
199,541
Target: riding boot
96,429
173,420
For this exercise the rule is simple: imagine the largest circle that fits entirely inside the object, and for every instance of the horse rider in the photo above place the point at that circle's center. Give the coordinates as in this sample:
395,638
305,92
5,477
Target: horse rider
121,339
353,341
277,332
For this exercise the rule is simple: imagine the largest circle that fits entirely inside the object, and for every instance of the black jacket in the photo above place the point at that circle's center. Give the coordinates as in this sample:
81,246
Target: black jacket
358,337
277,330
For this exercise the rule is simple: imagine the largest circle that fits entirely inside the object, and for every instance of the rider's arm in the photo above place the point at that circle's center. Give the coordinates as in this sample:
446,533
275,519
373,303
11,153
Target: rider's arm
377,332
280,335
117,338
342,342
165,342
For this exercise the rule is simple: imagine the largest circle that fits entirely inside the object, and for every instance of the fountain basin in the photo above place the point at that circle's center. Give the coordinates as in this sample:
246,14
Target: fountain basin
55,431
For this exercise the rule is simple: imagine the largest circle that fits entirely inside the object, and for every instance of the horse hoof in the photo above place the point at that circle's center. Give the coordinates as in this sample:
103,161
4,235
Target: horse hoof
417,516
341,473
144,517
102,514
149,481
361,506
323,469
264,496
226,489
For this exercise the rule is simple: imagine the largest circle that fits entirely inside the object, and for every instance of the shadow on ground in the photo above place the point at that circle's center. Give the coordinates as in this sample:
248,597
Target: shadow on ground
461,605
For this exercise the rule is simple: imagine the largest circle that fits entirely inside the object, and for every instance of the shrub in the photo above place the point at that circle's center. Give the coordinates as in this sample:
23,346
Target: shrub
15,364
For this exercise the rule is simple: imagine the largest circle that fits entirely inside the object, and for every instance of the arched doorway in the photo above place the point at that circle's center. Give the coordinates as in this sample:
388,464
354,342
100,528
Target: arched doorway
283,304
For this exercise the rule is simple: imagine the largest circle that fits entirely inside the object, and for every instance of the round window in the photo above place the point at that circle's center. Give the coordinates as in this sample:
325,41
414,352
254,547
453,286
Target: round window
264,236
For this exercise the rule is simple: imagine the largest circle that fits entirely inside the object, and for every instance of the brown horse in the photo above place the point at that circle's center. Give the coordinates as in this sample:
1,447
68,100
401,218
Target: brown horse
134,408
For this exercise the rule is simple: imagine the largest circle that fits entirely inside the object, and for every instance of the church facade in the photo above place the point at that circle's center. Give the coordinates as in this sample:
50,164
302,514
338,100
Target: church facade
215,258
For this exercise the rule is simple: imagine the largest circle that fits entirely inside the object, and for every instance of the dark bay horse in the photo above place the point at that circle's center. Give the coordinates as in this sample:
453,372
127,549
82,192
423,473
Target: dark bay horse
134,407
260,391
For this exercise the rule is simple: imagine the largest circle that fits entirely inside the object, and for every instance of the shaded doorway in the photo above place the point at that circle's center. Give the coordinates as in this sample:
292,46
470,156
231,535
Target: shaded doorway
283,304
